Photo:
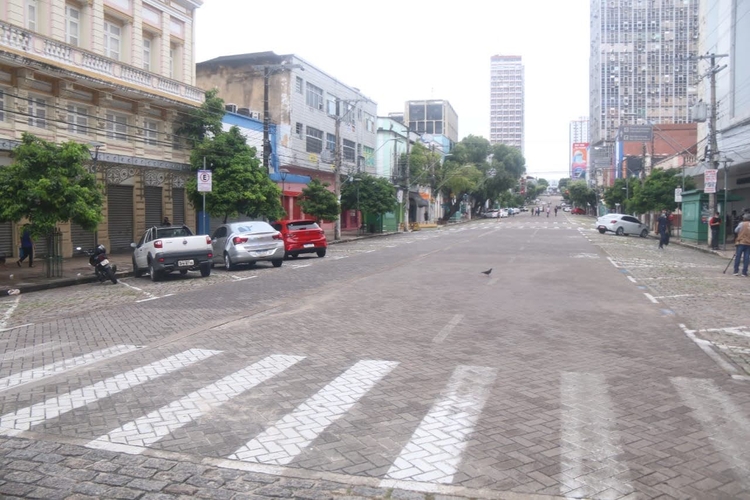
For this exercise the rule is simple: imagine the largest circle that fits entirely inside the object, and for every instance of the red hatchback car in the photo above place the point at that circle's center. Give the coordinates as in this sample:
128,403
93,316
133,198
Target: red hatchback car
578,211
301,236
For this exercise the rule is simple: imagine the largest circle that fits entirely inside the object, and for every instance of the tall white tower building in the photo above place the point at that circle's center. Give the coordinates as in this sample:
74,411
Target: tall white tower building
507,101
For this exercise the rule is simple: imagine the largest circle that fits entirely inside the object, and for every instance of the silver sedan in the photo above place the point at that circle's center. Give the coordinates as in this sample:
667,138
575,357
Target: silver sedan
247,243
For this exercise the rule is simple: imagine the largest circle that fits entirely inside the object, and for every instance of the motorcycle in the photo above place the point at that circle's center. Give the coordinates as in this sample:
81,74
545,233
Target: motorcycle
99,261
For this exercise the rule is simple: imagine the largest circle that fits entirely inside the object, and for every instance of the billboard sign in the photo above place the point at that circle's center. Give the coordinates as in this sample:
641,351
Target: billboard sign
636,133
579,160
709,180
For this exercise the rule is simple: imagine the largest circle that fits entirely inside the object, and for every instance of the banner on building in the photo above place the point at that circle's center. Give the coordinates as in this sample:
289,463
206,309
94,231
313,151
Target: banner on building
579,160
709,180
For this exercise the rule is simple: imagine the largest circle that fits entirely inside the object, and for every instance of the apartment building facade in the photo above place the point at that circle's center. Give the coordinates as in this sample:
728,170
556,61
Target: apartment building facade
642,64
507,101
432,119
115,75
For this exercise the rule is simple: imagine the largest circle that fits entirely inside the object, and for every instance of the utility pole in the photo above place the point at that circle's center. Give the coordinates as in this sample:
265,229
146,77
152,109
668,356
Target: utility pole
406,175
713,157
337,171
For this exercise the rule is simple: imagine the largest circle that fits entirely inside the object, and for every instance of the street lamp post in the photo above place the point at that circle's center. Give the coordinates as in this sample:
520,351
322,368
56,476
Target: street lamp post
283,172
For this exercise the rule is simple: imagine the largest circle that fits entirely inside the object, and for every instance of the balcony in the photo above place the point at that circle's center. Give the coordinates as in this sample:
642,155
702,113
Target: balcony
47,50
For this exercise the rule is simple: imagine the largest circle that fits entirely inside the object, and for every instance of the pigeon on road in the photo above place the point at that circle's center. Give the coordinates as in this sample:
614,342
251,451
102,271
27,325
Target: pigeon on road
487,272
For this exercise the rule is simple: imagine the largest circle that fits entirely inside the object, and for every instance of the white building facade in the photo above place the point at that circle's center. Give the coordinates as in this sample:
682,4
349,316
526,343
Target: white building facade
507,101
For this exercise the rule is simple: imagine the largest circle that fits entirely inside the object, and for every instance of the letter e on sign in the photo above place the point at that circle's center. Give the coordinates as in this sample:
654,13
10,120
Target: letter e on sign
204,181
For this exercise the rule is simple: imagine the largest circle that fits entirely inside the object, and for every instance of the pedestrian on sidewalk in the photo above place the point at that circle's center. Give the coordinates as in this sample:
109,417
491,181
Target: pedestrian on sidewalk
663,229
166,222
27,247
547,212
742,242
555,211
715,223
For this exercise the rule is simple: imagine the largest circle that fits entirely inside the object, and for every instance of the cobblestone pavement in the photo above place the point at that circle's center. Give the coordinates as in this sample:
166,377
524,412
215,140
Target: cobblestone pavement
391,368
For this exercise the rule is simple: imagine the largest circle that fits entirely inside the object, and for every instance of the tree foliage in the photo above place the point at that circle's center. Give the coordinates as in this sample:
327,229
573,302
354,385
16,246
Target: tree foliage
203,121
47,183
239,184
617,195
317,201
657,191
368,194
580,194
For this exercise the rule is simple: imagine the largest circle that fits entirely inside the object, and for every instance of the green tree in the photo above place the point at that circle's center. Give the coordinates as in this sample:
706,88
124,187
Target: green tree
239,184
368,194
580,194
616,195
203,121
317,201
542,183
47,183
657,191
561,185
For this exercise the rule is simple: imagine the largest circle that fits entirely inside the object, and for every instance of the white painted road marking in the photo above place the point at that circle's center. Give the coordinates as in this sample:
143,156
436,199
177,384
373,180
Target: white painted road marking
62,366
24,418
279,444
723,421
159,423
632,279
238,278
154,298
15,327
9,312
590,445
447,329
299,266
651,298
705,346
433,453
35,349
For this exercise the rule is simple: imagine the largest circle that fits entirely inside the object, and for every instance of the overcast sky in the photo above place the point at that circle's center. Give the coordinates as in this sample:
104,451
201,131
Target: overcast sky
395,51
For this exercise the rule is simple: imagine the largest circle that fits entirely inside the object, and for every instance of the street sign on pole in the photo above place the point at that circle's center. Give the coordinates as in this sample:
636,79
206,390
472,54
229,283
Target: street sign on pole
636,133
204,181
709,180
678,195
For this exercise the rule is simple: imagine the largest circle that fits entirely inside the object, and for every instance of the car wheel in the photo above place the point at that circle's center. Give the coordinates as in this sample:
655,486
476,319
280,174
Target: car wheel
602,230
205,269
620,231
155,275
277,262
321,253
228,262
183,271
136,272
644,233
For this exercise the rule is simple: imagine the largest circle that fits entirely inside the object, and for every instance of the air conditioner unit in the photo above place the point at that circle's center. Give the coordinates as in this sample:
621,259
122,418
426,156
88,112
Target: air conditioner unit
257,115
243,111
232,108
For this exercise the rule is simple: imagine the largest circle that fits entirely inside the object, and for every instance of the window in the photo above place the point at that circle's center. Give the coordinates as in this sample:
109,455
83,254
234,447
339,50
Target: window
314,96
314,140
72,25
174,61
147,54
37,112
77,119
117,126
349,150
298,85
331,105
298,130
331,143
112,34
150,132
31,15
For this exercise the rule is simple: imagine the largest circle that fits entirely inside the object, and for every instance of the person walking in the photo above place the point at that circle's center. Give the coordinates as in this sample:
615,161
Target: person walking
555,211
715,223
27,247
548,212
663,229
742,242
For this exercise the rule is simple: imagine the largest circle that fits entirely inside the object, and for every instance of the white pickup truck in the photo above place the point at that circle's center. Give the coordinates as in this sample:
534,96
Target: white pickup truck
162,250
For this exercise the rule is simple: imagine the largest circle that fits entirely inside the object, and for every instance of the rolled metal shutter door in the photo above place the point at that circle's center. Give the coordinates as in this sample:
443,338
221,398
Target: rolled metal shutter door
120,220
152,195
79,237
6,239
178,206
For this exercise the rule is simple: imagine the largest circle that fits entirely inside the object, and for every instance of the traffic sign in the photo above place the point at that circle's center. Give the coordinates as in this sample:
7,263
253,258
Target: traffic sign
678,195
636,133
204,181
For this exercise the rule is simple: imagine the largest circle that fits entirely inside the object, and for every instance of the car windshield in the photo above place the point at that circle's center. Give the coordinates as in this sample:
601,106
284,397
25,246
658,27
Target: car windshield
172,232
302,224
256,226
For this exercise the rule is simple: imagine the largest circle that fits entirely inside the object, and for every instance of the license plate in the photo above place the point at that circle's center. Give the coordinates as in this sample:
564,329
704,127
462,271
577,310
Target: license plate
184,263
104,262
308,245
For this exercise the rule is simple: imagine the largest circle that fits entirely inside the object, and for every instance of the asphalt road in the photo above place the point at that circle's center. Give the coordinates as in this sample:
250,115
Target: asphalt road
583,365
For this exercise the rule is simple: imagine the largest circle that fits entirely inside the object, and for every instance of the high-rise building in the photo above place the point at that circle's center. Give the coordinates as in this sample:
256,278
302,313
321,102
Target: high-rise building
578,134
507,101
642,65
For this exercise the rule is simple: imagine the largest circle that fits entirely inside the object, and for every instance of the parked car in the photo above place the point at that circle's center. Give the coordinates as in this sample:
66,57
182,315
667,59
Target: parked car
164,249
491,214
503,213
578,211
621,224
566,209
247,243
301,236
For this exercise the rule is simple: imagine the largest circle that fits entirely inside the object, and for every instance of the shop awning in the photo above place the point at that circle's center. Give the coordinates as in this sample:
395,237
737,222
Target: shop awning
417,200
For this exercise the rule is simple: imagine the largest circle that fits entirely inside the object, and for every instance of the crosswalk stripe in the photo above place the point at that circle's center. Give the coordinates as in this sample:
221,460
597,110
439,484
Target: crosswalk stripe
722,420
590,446
434,451
281,443
24,418
62,366
159,423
